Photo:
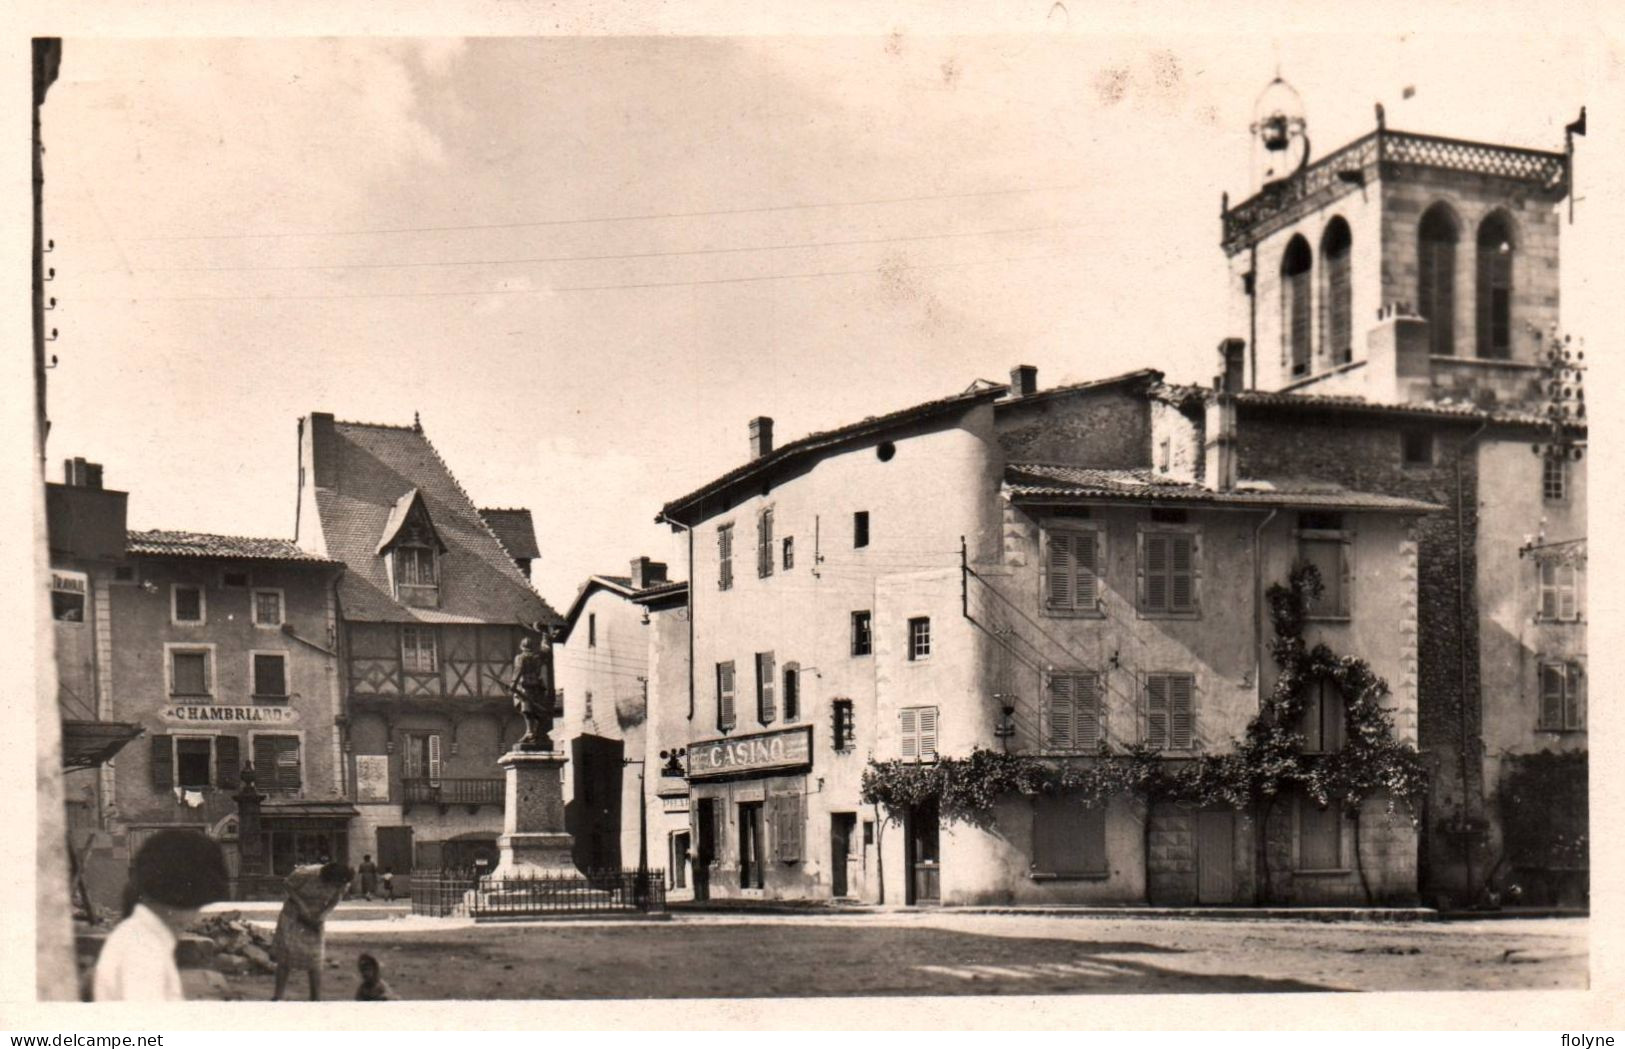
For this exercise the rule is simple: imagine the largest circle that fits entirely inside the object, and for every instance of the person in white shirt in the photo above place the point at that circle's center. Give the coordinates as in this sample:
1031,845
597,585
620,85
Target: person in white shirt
175,873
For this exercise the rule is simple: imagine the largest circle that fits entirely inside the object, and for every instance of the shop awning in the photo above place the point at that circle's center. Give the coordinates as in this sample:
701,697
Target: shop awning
89,744
308,810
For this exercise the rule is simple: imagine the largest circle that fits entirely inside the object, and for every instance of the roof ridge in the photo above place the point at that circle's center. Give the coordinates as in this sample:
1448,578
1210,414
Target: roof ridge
378,426
211,535
508,561
504,509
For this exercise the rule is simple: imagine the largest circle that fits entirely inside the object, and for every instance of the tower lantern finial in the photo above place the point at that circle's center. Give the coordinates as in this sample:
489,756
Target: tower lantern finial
1281,130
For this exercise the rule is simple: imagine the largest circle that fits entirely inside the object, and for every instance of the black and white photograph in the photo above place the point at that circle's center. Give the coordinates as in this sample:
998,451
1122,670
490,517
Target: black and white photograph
1039,507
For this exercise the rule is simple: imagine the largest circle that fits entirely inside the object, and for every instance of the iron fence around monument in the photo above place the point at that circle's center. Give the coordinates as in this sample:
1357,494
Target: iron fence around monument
465,893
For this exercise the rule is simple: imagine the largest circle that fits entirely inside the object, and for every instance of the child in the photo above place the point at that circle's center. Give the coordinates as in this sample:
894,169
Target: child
373,988
175,873
388,878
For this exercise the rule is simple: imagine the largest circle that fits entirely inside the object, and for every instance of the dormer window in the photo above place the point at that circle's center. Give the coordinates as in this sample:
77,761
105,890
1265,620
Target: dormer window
412,550
414,566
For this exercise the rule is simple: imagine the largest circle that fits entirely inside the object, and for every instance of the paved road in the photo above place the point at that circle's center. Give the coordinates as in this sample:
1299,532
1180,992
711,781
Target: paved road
709,955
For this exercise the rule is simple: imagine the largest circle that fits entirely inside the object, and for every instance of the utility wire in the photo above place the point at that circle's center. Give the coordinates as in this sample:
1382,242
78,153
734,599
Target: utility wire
653,216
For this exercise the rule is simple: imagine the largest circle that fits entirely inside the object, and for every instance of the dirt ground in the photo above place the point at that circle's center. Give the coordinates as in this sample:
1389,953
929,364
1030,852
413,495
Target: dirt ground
712,956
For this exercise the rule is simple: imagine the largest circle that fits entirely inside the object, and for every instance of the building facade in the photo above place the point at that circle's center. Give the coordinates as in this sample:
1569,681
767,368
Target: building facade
431,611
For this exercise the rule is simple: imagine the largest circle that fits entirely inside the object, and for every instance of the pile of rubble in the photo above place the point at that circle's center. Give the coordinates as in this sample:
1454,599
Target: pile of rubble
239,945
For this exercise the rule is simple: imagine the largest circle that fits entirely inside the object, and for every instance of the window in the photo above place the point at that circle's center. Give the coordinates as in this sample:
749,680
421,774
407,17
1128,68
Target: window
792,691
187,604
124,573
1324,723
1168,572
1320,836
1562,701
189,672
843,724
267,608
418,649
592,629
1170,711
1165,455
1559,591
1436,279
1494,293
414,566
860,528
1072,570
917,737
764,543
1072,715
276,762
1295,266
68,593
1069,837
194,761
235,580
1416,448
765,711
1323,542
1337,301
725,696
1554,478
725,556
862,634
423,756
919,638
270,675
789,553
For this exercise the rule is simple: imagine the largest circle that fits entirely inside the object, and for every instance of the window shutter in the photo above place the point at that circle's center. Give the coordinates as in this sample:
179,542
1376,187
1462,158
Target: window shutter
909,735
1062,703
163,762
787,823
228,762
1181,703
1568,595
1551,695
1086,570
1156,696
265,760
725,696
1086,708
287,764
764,543
434,759
928,733
1156,572
766,711
1344,563
1182,570
1548,591
1334,717
1573,714
725,553
1060,570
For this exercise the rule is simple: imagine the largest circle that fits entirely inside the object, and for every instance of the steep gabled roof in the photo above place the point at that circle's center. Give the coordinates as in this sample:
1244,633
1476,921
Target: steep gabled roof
1048,482
373,469
164,543
515,529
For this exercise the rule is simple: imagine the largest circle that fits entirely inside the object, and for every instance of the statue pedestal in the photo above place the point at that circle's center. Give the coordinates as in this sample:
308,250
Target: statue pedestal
534,843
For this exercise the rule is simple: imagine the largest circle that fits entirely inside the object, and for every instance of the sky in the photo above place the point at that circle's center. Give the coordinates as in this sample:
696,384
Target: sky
586,262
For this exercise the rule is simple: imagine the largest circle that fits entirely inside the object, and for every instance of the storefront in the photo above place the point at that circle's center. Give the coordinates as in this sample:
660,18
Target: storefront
295,833
748,803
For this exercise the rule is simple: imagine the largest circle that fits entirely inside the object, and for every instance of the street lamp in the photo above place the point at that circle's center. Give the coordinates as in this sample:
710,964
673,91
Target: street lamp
640,887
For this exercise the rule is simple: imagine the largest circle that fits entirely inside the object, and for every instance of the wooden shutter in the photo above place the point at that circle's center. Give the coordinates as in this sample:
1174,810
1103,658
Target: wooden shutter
163,762
725,696
1155,546
1551,695
1548,591
1573,693
288,770
1085,570
792,691
265,760
1182,573
1086,711
1156,702
1333,717
1061,595
787,826
1310,724
909,733
725,553
228,762
1320,837
1061,717
764,543
928,733
1568,592
1344,576
1181,703
434,759
765,709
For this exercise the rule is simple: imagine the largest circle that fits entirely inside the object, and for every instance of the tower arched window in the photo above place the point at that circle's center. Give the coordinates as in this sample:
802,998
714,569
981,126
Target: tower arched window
1337,295
1436,278
1495,287
1296,266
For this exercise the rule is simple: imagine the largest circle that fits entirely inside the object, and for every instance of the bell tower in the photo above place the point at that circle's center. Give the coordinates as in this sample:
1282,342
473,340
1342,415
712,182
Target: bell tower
1398,267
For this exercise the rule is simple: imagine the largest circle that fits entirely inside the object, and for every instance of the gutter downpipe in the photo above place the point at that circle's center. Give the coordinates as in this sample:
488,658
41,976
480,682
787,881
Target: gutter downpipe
1252,312
1461,625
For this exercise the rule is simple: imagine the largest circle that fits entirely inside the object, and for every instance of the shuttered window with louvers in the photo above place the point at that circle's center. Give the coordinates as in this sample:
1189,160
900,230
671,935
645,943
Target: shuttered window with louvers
1168,572
163,762
1072,571
276,762
725,696
917,736
1170,711
228,762
1074,714
765,709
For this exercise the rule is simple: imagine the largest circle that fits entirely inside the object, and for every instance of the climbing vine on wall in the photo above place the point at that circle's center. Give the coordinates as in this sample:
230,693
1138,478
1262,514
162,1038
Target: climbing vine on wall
1268,759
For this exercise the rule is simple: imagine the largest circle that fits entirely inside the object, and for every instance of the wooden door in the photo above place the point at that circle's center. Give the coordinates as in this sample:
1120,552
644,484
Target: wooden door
1216,857
679,860
705,830
841,825
924,859
395,851
752,842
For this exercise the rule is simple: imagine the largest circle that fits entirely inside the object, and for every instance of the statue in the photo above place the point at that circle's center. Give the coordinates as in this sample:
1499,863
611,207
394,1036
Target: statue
533,691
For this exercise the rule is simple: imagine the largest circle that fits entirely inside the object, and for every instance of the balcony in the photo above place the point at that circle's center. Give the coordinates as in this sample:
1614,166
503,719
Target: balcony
448,792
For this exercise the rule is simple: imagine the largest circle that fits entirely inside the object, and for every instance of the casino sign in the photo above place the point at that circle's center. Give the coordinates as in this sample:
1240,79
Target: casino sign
760,752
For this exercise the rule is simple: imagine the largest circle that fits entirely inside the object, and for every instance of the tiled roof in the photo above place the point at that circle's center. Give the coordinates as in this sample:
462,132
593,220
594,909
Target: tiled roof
516,530
660,590
165,543
619,584
1148,377
678,509
1189,396
1055,481
372,468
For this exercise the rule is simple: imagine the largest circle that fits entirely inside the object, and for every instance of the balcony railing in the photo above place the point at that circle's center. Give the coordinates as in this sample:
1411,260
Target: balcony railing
452,791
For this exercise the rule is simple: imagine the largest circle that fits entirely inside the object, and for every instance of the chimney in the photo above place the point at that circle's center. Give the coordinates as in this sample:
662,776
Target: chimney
319,438
77,473
1232,365
1219,441
647,573
761,436
1023,380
